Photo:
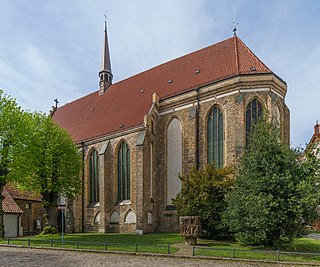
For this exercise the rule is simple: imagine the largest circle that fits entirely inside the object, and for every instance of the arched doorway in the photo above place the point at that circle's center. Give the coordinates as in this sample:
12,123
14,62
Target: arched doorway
59,221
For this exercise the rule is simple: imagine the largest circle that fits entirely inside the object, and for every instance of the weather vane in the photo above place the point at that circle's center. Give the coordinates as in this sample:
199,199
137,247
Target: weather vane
234,24
105,16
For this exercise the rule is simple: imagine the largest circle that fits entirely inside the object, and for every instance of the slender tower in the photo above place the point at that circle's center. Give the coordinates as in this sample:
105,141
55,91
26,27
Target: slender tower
105,73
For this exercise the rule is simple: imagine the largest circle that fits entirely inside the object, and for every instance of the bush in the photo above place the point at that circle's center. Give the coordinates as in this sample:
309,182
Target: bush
203,194
49,230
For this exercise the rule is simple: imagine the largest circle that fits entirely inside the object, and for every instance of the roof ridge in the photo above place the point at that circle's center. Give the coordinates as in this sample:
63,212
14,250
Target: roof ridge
236,54
173,60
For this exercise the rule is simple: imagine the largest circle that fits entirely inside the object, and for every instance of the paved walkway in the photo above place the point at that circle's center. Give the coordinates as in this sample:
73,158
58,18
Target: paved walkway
30,257
183,249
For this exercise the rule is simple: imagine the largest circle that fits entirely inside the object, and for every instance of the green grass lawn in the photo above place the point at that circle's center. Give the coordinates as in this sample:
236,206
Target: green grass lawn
153,243
234,249
158,243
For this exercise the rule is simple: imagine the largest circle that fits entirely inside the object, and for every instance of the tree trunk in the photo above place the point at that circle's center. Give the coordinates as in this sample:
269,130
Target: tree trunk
1,212
50,215
50,204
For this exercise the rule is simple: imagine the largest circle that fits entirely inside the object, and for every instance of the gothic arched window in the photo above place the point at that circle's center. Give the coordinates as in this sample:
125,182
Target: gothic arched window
94,176
215,137
253,114
174,159
123,172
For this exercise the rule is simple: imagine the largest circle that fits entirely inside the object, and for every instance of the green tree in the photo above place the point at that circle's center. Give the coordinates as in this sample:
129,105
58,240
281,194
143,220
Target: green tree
13,134
203,194
274,197
56,164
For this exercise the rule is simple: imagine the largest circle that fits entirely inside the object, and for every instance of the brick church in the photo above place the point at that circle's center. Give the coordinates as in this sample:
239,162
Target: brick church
138,134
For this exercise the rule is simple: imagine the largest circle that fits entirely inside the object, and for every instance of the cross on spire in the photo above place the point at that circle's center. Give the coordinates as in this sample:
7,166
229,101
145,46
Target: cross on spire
57,102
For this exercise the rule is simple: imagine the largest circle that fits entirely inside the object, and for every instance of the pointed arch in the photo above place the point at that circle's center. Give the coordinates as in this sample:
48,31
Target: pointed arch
174,158
93,176
115,217
254,112
123,172
215,137
130,217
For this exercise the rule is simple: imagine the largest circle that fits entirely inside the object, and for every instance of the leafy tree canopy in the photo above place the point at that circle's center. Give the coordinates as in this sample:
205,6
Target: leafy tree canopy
13,137
56,163
275,194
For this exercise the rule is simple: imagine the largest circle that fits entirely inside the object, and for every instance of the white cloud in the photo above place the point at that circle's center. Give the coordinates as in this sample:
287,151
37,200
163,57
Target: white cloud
52,49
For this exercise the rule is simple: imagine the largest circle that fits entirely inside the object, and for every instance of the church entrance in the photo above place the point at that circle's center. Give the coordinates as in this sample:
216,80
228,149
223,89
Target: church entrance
61,220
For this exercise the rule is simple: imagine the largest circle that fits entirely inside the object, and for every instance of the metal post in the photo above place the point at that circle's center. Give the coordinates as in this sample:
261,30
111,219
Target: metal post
234,253
8,241
168,248
29,241
193,251
51,242
136,248
278,255
62,223
106,245
77,244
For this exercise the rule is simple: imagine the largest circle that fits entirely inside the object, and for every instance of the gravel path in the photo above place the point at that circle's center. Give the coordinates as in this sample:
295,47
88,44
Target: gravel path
314,236
18,257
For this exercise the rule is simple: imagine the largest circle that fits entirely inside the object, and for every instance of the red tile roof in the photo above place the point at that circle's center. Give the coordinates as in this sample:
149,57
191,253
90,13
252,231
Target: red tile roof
21,194
125,104
8,204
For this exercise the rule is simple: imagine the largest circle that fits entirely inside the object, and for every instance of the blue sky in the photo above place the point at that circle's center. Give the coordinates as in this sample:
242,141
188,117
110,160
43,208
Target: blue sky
52,48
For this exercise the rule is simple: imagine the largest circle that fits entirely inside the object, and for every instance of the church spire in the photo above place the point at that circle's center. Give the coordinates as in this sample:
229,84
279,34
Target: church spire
105,73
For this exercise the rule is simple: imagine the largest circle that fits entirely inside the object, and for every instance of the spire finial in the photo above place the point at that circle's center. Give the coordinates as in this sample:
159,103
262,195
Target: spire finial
105,20
235,23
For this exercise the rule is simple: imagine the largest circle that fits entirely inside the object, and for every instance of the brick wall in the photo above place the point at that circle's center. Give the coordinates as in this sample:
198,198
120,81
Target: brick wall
152,213
32,211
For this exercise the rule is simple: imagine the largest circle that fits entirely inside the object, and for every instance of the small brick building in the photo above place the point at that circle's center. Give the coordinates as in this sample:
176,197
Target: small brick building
32,217
138,134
